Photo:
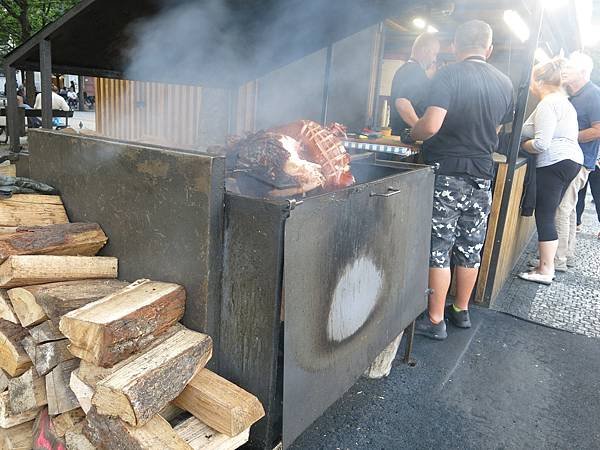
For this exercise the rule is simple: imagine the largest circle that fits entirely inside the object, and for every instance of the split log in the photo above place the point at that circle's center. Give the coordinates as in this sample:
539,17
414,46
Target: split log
61,398
13,358
47,356
19,437
3,381
69,239
46,332
83,391
24,270
170,412
219,403
66,421
8,419
26,309
76,440
109,330
198,435
27,392
6,309
108,433
8,170
32,210
92,374
139,390
57,299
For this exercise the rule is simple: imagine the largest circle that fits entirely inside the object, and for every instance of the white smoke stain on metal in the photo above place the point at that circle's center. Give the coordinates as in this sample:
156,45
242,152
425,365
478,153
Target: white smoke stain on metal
354,298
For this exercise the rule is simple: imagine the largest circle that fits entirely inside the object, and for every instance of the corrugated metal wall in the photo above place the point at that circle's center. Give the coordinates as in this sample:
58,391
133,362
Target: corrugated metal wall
148,112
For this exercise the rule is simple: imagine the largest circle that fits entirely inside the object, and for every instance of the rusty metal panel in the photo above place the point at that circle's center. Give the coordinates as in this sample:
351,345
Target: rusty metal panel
162,210
355,275
250,316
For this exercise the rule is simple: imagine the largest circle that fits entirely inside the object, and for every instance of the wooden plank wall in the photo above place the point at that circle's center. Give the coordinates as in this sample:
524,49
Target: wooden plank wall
148,112
517,233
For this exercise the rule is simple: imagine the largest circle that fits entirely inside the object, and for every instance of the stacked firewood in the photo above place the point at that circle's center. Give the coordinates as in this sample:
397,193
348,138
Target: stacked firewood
88,361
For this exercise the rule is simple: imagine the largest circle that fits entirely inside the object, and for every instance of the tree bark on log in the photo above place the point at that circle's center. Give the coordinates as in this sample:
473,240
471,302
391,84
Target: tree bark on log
69,239
109,330
141,389
108,433
57,299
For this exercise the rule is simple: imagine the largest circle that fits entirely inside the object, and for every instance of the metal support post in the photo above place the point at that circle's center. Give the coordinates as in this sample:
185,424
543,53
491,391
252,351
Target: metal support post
11,109
80,86
46,72
326,82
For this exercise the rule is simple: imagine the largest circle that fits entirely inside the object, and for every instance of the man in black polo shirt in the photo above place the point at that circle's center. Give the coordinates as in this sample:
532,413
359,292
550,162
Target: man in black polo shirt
411,84
467,104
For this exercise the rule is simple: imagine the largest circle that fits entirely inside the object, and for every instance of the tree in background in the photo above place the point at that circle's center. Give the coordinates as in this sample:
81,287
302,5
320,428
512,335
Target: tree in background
20,19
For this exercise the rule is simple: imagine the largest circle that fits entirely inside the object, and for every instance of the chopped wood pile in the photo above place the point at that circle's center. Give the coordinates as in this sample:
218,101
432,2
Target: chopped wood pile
91,362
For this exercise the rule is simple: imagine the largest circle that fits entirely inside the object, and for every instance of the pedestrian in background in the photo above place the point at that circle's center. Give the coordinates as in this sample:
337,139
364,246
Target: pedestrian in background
551,132
585,97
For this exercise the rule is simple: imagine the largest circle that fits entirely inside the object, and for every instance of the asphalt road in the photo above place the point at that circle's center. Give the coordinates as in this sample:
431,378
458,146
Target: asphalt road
504,384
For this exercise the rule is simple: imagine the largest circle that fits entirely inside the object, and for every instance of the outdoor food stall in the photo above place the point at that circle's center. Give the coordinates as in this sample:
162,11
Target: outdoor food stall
303,252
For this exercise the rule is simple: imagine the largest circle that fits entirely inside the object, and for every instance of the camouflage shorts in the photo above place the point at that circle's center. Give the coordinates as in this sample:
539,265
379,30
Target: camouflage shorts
460,210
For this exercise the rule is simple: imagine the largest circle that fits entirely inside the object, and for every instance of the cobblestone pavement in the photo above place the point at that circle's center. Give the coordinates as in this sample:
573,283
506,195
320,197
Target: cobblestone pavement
572,302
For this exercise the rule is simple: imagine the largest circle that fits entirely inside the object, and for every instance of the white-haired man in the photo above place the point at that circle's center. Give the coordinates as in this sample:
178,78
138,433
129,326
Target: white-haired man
585,97
467,104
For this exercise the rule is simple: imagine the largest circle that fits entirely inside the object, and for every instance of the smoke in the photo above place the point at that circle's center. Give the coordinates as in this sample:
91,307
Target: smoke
222,44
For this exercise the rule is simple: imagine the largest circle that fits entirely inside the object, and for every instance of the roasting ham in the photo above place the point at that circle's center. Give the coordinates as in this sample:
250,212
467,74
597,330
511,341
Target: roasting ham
323,147
274,159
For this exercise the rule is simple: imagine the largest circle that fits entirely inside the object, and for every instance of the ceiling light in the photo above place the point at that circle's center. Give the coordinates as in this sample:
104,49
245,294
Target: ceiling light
419,23
516,24
541,56
432,29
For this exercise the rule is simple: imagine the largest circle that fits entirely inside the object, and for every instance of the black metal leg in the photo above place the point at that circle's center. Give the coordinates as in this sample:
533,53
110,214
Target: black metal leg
409,332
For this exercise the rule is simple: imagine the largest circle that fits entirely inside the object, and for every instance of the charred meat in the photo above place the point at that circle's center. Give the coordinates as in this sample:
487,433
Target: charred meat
323,147
274,159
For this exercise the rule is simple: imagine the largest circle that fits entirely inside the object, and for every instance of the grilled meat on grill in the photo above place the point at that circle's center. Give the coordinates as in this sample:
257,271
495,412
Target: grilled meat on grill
274,159
322,147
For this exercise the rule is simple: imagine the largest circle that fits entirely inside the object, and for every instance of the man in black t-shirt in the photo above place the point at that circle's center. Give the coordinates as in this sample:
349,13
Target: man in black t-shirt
411,83
467,103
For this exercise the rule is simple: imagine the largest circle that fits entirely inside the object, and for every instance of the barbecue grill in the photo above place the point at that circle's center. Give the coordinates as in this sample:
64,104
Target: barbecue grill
300,294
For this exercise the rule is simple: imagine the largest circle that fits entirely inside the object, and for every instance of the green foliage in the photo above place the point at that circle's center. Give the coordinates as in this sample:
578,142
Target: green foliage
20,19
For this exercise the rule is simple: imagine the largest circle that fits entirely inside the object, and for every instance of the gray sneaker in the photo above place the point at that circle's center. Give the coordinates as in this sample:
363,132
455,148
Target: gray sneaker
427,328
458,319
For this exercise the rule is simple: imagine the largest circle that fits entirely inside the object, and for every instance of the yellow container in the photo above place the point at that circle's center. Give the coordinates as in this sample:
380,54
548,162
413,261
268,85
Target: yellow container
386,131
